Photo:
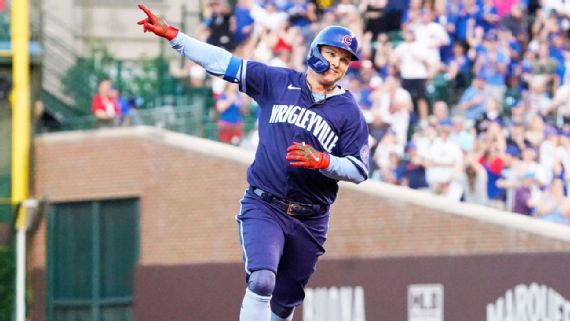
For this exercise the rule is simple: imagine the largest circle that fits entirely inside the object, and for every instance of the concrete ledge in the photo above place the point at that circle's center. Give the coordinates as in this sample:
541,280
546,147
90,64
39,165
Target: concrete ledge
472,211
199,145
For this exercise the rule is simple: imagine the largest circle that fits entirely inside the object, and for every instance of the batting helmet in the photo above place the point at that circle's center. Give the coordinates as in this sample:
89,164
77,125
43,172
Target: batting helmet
335,36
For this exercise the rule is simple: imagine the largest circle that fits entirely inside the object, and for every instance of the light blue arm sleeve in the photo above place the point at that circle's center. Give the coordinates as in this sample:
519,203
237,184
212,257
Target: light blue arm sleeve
215,60
342,168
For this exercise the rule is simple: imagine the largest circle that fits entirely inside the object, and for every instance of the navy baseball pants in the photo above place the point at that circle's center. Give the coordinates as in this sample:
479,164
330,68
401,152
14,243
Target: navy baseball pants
286,245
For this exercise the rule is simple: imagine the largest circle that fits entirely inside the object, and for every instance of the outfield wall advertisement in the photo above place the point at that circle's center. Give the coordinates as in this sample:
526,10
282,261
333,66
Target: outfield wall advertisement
514,287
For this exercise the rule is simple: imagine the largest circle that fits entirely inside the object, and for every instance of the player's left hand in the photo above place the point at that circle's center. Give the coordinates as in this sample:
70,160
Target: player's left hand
157,26
303,155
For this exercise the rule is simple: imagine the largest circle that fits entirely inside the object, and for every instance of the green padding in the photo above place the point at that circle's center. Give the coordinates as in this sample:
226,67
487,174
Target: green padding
92,251
73,251
118,248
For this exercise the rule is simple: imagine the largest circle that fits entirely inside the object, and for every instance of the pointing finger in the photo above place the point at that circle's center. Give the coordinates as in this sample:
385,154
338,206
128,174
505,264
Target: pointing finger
148,12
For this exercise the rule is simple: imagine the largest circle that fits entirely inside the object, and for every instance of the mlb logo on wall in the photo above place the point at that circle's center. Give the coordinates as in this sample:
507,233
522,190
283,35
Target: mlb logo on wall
425,302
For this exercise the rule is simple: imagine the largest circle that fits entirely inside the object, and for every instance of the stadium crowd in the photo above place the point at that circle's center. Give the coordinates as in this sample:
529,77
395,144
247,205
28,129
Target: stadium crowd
467,99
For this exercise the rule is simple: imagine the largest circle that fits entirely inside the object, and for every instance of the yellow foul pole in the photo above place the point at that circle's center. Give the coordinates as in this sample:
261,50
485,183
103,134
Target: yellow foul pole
21,136
21,127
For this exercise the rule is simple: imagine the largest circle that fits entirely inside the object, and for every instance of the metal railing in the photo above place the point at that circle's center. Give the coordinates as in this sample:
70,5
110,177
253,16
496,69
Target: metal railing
188,119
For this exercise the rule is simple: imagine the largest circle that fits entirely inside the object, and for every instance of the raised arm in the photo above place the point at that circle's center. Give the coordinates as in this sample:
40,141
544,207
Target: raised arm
215,60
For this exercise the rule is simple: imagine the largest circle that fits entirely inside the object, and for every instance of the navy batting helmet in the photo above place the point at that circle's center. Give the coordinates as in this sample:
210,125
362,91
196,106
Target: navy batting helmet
335,36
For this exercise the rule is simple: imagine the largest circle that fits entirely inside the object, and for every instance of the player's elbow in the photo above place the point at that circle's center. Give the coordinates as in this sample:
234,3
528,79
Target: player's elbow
359,179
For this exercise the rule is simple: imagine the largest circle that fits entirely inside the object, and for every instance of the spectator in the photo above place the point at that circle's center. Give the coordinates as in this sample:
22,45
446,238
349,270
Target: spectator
230,107
537,98
432,36
517,139
413,61
492,114
465,19
391,108
492,64
414,171
375,16
474,182
387,146
510,175
535,131
393,173
458,69
301,14
104,106
563,154
523,194
489,17
544,68
518,113
516,22
472,101
560,105
444,164
440,112
244,23
129,113
548,147
383,54
493,164
548,205
220,26
268,17
463,134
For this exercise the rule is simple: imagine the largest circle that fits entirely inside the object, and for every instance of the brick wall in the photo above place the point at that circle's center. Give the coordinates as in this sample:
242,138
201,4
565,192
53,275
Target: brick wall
190,188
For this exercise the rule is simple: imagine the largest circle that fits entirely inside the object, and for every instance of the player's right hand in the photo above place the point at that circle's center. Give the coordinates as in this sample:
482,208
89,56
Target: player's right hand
157,26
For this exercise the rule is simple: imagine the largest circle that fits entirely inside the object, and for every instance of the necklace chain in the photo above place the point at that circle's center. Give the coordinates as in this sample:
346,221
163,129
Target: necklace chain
313,98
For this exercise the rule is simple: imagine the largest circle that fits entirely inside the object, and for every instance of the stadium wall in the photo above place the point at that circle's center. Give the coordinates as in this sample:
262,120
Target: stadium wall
189,191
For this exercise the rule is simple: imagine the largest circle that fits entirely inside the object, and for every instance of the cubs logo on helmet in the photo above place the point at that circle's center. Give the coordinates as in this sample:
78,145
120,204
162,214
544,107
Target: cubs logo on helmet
335,36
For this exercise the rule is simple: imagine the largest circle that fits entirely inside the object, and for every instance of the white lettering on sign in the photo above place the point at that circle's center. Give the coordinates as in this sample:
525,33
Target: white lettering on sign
334,304
425,302
535,302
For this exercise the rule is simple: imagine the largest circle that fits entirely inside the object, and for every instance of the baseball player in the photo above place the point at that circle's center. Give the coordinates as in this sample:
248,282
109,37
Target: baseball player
311,135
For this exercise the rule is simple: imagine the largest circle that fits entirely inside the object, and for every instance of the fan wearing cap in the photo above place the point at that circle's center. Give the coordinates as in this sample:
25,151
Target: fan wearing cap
312,134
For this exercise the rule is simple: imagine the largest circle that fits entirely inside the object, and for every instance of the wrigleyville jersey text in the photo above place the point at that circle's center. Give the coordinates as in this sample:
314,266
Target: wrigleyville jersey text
308,120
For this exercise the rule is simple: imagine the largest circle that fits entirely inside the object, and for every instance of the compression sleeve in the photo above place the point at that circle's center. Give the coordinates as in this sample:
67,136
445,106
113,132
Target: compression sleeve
215,60
341,168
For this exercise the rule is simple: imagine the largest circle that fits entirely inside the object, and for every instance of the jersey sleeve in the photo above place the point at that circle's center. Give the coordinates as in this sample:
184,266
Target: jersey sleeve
353,141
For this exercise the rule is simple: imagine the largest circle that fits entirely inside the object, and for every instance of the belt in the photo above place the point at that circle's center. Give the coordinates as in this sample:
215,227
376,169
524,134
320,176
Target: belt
290,208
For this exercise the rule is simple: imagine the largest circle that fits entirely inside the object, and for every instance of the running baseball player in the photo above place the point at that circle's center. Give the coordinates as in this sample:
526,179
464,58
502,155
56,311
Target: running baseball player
311,135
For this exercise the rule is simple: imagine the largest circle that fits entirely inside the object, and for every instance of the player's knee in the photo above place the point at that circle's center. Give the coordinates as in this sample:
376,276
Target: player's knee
280,311
261,282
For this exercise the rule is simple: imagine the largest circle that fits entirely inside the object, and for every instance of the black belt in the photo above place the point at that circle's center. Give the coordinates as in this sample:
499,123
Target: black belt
290,208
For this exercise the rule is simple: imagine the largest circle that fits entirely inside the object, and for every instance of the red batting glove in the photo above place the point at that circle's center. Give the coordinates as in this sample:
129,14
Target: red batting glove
303,155
157,26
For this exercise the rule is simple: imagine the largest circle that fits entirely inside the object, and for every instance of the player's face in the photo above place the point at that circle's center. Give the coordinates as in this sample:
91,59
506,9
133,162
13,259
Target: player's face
339,59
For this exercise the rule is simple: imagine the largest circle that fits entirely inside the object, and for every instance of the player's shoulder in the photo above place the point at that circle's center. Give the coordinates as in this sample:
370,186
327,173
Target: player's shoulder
349,102
268,68
273,72
347,107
